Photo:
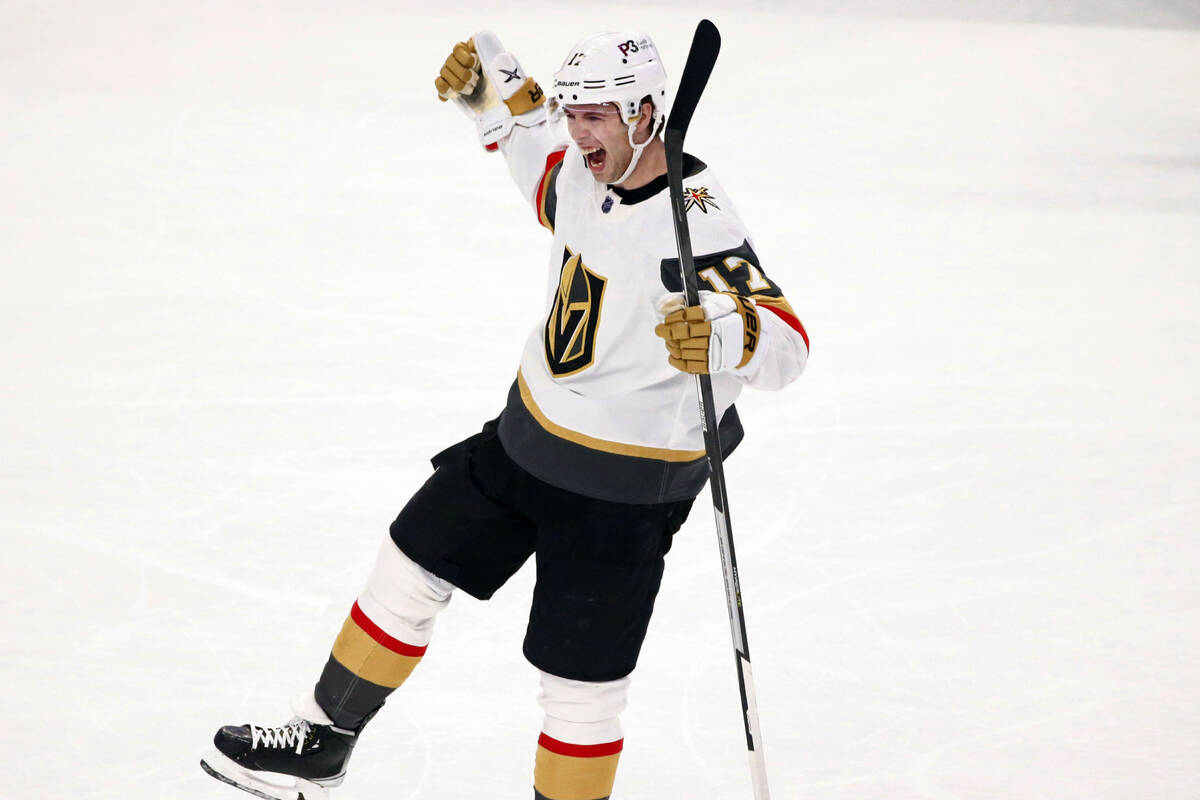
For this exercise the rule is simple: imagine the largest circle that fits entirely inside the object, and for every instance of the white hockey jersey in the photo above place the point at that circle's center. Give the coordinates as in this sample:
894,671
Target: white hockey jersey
596,408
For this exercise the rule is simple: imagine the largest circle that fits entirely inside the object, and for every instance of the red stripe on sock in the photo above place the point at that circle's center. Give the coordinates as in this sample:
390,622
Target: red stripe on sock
580,750
792,322
378,634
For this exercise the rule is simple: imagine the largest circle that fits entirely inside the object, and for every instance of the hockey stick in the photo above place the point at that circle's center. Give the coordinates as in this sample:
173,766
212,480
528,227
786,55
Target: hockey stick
705,45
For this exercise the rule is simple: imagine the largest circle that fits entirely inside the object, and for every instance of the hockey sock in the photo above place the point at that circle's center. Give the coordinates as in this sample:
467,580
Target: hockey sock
581,739
382,640
366,665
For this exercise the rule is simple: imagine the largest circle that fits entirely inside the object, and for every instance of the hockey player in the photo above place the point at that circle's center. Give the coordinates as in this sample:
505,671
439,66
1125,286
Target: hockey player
594,462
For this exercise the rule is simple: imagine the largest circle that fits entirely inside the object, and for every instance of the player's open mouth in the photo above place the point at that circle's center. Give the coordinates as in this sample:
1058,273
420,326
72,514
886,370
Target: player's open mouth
595,158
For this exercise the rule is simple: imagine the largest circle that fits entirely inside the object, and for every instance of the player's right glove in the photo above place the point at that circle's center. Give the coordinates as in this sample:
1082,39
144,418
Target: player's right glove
489,85
720,334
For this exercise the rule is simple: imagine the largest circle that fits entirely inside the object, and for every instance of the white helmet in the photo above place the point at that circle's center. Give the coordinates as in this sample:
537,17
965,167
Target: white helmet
621,68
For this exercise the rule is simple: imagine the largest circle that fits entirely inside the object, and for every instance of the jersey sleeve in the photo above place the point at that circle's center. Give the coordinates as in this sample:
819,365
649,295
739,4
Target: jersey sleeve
534,156
782,349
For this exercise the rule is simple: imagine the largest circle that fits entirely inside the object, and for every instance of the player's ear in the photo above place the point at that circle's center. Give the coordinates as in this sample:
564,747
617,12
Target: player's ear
646,120
645,123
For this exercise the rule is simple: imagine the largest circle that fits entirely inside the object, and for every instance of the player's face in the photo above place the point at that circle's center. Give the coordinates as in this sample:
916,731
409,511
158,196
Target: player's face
603,138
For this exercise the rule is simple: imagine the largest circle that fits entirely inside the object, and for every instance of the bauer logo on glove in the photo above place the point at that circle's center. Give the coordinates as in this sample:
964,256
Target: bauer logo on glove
720,334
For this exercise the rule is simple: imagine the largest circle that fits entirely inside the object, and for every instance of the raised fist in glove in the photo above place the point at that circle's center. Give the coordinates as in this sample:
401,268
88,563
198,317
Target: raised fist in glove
488,84
460,73
720,334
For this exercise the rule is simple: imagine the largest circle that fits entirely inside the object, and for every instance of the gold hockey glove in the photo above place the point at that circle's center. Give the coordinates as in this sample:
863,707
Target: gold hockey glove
686,334
460,73
720,334
488,84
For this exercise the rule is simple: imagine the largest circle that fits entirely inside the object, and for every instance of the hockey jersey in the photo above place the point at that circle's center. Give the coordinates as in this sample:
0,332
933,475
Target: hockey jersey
595,407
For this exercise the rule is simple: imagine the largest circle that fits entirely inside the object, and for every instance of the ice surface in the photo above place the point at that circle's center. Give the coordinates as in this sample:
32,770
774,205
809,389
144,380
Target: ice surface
254,275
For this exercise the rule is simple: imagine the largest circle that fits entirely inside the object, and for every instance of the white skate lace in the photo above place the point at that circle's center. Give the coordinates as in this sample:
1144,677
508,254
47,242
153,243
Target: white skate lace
291,735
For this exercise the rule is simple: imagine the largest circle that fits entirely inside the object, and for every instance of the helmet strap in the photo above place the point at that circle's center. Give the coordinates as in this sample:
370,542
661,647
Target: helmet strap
638,148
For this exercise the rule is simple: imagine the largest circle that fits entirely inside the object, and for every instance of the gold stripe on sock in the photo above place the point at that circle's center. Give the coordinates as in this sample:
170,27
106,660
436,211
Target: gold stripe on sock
355,650
560,777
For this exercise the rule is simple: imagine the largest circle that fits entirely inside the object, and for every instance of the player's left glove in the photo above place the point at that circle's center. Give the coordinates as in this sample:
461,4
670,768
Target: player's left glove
720,334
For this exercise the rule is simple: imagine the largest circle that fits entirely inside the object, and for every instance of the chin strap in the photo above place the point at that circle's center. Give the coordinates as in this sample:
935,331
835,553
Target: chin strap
638,148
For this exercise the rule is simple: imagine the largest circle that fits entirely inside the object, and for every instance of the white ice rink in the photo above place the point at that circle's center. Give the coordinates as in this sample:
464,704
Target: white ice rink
254,275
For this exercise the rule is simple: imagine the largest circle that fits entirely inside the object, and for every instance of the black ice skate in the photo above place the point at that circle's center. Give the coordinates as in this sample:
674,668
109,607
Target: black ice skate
297,761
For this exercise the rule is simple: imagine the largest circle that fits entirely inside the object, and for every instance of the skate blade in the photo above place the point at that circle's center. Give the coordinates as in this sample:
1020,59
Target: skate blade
267,785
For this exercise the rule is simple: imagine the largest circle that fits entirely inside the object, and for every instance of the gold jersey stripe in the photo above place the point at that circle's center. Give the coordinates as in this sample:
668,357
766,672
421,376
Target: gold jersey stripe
543,192
570,778
542,216
355,650
778,302
604,445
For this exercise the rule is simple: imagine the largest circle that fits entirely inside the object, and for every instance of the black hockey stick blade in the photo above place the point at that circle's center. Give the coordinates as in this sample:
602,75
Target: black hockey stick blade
706,44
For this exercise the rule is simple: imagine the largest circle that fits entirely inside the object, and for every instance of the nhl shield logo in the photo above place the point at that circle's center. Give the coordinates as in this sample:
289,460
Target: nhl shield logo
570,338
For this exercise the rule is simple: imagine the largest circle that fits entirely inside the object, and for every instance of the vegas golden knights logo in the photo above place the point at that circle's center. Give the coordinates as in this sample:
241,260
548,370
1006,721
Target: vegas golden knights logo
570,338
